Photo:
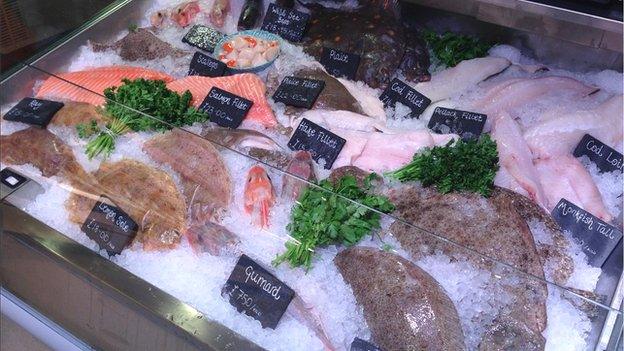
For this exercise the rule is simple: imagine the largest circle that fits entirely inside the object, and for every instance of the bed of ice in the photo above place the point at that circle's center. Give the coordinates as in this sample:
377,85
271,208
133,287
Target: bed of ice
476,293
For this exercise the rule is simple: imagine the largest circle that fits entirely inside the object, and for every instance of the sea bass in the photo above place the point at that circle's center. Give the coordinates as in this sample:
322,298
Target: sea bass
247,85
84,86
403,305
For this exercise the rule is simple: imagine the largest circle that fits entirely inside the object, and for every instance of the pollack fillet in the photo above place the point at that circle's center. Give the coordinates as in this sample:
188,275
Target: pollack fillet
565,177
558,133
455,80
516,158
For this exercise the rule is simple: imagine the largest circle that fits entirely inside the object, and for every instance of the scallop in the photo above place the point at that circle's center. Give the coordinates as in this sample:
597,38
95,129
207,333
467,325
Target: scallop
239,43
271,53
243,63
258,60
247,54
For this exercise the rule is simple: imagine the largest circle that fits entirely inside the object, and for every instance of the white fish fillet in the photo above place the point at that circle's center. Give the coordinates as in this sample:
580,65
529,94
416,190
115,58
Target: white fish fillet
340,119
455,80
516,157
558,134
367,97
565,177
380,152
513,93
504,179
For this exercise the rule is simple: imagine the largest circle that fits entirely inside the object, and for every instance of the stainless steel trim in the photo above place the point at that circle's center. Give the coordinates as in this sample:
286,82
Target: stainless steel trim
580,28
30,248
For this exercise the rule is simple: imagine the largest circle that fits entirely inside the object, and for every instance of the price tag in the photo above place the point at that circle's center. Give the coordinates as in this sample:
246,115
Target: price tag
398,91
203,37
109,226
596,237
299,92
225,108
288,24
606,158
466,124
339,63
204,65
361,345
12,179
323,145
37,112
257,293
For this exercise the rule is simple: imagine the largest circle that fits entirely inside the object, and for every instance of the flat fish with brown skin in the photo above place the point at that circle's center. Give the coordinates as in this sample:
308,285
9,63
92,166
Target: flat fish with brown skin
334,96
302,166
148,195
205,178
74,113
491,226
140,44
211,238
404,307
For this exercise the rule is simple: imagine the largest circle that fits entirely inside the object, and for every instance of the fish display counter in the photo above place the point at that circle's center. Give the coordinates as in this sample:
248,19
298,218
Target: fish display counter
372,175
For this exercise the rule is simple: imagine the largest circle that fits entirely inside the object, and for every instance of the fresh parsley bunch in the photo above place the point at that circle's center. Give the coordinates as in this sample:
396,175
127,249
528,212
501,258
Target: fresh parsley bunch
161,110
451,48
463,165
324,217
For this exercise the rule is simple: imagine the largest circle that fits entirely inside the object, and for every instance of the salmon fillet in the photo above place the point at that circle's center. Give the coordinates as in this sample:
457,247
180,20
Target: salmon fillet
93,81
247,85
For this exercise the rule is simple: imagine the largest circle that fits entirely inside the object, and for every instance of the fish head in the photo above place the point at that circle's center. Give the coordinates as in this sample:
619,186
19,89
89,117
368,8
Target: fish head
258,177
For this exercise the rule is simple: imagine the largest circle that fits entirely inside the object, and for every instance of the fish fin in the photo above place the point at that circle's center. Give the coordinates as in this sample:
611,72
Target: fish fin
264,214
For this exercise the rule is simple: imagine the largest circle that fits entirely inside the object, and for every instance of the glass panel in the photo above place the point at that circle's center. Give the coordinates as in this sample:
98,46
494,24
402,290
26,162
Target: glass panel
199,207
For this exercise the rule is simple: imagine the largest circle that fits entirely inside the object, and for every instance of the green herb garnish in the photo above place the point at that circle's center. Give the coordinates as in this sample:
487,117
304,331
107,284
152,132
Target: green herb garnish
133,27
451,48
323,217
162,109
462,165
86,130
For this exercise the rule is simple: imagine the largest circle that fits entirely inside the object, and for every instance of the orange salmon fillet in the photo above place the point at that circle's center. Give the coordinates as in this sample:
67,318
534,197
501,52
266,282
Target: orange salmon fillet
247,85
96,80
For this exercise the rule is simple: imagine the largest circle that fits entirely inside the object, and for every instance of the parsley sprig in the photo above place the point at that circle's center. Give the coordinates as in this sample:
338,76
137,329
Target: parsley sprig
451,48
162,109
465,165
324,217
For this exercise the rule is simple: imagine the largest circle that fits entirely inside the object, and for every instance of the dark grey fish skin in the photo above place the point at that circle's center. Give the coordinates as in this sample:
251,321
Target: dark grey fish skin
492,226
405,308
140,44
374,32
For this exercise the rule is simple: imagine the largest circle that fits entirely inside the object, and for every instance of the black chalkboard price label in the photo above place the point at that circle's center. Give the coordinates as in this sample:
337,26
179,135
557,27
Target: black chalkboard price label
362,345
299,92
398,91
605,157
288,24
204,65
12,179
224,108
257,293
596,237
33,111
463,123
323,145
109,226
339,63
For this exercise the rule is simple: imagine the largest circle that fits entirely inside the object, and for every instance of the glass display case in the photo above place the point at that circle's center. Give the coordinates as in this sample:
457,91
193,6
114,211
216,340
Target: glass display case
247,199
